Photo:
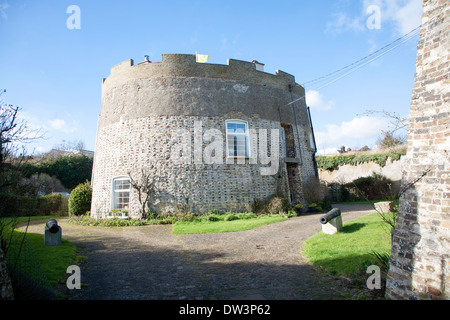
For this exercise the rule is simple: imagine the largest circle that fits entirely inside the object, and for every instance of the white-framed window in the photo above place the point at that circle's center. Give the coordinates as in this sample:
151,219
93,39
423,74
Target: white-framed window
121,189
238,141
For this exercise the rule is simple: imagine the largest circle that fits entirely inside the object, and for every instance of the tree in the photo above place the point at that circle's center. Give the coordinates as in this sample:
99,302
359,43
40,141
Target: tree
388,140
392,137
365,148
144,185
14,132
76,145
71,170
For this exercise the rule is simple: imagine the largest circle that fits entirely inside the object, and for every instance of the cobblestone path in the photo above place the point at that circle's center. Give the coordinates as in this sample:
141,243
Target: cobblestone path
150,262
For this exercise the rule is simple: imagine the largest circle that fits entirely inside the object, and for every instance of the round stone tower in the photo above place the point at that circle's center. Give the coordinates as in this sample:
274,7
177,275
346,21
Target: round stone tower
181,135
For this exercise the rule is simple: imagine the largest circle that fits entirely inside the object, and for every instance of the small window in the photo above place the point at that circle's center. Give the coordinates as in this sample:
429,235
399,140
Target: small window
121,193
237,139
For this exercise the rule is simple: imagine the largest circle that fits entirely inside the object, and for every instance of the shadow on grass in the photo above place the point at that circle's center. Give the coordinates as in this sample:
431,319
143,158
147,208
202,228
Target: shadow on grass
348,265
350,228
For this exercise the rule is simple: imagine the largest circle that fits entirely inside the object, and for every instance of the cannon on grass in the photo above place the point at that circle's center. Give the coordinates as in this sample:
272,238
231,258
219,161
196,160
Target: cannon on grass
52,226
332,221
52,233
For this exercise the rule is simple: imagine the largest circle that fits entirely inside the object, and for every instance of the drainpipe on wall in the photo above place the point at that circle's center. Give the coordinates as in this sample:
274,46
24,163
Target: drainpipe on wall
296,127
314,141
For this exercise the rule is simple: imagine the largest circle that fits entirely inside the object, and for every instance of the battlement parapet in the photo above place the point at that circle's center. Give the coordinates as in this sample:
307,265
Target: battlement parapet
185,65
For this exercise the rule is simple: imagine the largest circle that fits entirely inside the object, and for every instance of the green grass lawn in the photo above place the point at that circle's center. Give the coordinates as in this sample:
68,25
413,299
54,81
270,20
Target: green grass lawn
225,226
7,221
345,252
53,260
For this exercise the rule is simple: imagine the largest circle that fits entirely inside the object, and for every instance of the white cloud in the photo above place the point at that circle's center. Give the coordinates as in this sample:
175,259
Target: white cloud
323,152
31,121
342,22
315,100
357,132
61,125
405,14
3,6
40,150
409,16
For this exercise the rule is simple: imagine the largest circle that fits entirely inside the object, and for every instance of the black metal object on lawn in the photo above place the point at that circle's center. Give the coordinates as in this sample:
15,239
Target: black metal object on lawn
333,213
52,226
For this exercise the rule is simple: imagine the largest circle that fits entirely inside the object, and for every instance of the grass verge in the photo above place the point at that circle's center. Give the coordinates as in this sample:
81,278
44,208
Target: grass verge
53,260
182,227
347,252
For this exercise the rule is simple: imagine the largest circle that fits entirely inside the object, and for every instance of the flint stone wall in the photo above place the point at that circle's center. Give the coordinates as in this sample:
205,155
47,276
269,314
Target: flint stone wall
146,107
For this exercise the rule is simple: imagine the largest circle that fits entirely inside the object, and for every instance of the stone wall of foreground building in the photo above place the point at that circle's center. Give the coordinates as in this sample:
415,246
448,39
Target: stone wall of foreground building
419,266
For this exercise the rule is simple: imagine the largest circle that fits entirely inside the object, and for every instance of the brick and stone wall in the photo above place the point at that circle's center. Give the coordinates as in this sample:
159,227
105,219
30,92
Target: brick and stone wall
149,109
419,267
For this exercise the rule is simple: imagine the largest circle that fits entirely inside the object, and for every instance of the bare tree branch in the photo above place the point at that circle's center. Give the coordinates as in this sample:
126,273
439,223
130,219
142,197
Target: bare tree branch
14,132
144,185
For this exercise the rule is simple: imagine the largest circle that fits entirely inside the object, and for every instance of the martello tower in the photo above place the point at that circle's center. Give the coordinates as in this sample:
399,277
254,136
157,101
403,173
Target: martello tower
209,136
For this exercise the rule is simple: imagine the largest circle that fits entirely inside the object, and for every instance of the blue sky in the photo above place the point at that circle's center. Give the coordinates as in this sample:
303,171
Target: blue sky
55,73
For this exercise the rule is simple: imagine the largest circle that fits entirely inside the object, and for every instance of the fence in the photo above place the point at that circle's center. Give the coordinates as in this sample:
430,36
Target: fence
28,280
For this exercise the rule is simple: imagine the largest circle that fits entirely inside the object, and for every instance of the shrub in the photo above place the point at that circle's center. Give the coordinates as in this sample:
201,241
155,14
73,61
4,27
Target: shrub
246,215
275,204
315,191
151,214
86,220
326,204
374,187
292,213
185,216
212,218
231,217
52,203
80,199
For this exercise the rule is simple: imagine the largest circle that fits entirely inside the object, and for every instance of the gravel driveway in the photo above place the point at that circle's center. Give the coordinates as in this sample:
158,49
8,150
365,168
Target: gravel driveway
150,262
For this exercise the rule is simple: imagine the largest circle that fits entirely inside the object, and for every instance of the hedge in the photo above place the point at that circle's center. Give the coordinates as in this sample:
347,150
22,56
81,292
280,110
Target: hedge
12,205
71,170
333,162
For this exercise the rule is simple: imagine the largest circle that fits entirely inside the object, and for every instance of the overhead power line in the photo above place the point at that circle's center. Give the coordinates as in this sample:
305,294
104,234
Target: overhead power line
350,68
402,39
